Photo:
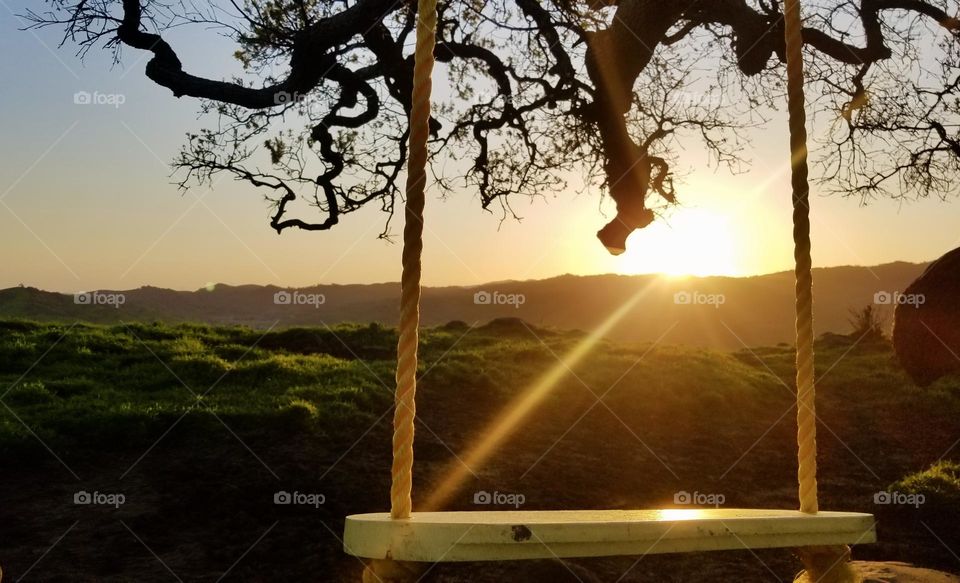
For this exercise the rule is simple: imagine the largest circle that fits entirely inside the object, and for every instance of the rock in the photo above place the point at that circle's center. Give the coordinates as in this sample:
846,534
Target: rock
900,573
926,331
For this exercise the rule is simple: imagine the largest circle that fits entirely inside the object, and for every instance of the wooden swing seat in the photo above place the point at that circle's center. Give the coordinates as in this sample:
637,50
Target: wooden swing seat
437,537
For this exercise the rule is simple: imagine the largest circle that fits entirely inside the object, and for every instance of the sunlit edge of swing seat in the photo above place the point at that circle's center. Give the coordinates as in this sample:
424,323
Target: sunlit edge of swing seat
436,537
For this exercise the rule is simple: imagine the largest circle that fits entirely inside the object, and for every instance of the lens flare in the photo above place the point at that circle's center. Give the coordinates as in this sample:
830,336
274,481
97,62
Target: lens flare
513,415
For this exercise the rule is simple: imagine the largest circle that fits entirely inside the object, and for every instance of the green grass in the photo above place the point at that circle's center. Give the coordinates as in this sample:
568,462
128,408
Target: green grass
939,484
306,402
106,388
85,385
88,385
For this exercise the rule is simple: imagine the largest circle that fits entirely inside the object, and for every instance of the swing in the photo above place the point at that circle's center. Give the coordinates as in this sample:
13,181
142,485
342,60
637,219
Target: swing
399,545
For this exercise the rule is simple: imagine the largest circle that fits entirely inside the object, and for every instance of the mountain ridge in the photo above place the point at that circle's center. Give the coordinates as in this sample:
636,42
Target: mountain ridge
714,311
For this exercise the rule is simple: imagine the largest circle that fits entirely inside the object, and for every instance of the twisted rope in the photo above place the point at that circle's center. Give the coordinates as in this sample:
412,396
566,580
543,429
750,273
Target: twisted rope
405,413
806,391
826,564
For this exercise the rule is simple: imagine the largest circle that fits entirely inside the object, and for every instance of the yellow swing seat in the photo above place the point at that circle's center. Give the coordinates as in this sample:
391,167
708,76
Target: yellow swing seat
441,537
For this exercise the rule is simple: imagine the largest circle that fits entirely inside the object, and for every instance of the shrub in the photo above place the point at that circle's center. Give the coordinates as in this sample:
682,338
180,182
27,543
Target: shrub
867,323
940,485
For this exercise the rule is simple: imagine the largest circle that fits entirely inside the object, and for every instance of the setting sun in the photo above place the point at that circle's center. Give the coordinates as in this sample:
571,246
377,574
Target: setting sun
688,242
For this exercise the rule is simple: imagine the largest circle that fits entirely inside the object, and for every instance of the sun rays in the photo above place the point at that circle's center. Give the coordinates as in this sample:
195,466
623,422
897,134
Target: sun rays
515,413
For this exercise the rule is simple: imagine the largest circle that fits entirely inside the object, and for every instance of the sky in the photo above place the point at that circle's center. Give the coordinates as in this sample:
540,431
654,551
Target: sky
87,200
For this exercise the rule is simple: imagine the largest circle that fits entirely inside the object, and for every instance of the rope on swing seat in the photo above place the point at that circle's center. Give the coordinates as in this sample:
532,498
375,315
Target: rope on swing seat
406,376
823,564
828,564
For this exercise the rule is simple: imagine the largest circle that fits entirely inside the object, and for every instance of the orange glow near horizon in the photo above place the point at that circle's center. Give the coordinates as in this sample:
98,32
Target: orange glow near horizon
516,411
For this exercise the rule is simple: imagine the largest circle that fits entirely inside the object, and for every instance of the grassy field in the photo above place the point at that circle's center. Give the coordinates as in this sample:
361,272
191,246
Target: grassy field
198,427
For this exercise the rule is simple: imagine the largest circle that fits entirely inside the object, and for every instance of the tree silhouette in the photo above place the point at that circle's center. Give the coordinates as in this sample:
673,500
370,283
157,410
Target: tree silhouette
541,89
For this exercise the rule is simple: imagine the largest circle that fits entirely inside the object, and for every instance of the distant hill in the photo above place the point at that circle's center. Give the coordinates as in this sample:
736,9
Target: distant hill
719,312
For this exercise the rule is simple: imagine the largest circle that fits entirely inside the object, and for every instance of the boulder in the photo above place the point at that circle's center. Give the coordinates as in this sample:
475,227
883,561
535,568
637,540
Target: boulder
926,331
900,573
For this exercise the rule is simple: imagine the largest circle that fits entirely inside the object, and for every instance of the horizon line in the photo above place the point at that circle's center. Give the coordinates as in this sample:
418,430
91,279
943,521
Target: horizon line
211,286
